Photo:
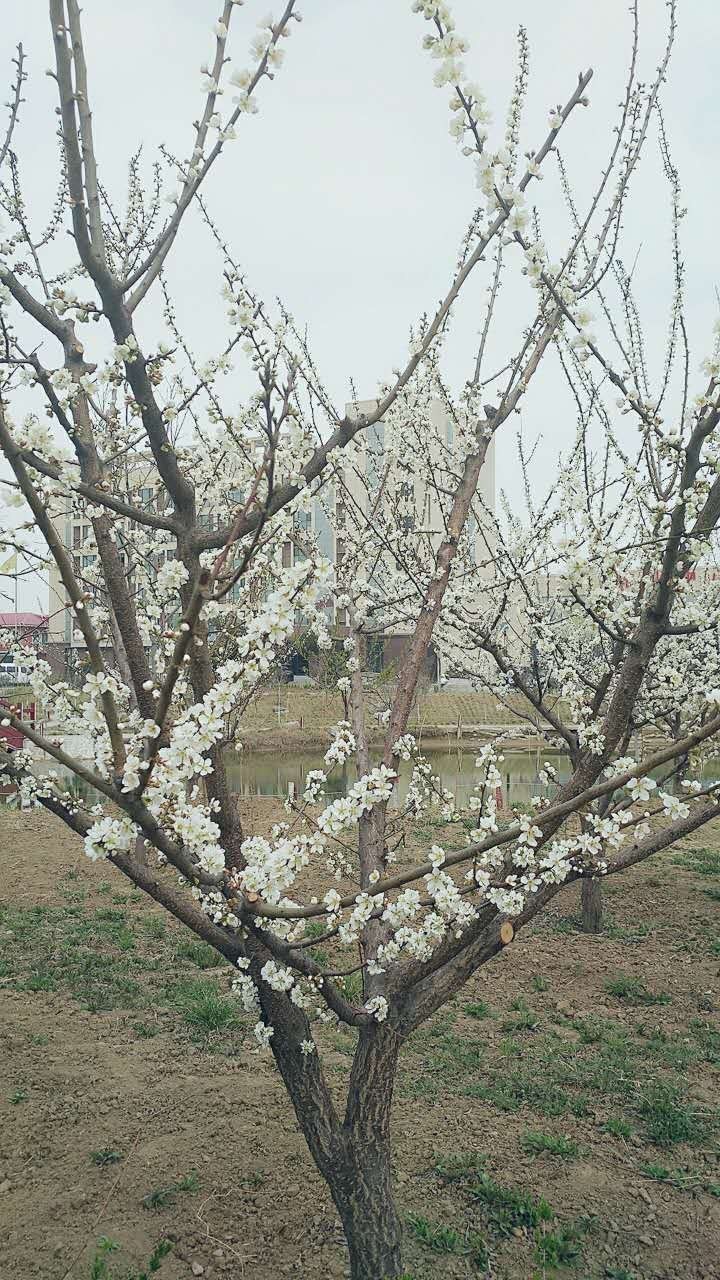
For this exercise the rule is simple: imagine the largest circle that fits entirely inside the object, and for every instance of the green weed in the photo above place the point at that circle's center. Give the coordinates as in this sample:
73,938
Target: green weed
522,1018
199,953
634,991
559,1248
477,1009
618,1127
100,1266
163,1197
658,1172
508,1208
146,1029
669,1118
460,1167
442,1239
537,1144
154,927
705,862
515,1089
203,1007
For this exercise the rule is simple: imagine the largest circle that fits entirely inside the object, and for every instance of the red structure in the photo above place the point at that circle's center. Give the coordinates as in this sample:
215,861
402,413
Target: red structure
26,711
30,630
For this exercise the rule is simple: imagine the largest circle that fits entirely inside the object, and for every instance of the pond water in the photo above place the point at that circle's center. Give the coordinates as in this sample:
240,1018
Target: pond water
275,773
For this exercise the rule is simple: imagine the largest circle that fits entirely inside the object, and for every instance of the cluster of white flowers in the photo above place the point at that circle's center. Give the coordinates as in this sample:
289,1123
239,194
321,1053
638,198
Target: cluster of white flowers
470,115
171,576
378,1007
315,780
343,744
373,788
673,807
271,866
277,976
641,788
109,835
245,989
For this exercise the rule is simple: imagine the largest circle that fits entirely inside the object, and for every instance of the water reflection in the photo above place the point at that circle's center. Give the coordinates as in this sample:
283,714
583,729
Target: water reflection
276,774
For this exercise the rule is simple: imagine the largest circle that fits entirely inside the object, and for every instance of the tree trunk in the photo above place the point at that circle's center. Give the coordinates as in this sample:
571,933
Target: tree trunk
361,1187
353,1155
592,904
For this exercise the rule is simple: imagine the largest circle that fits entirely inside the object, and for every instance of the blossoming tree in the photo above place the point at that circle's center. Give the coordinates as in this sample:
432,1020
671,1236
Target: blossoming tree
183,617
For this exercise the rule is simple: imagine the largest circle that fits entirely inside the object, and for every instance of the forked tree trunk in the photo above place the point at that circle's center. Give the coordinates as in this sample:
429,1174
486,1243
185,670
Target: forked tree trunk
591,897
353,1156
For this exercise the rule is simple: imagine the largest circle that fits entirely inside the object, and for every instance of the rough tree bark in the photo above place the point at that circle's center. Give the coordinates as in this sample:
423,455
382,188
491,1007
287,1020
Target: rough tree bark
591,898
354,1156
362,1185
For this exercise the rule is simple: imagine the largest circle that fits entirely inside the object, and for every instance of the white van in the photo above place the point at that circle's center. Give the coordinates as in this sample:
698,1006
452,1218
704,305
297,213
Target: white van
12,672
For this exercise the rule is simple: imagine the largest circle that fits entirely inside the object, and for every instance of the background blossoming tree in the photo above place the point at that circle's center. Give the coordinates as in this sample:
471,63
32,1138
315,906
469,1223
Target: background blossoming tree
183,618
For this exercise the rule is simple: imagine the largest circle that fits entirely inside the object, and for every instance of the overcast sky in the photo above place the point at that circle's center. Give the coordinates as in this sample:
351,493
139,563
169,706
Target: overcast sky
346,195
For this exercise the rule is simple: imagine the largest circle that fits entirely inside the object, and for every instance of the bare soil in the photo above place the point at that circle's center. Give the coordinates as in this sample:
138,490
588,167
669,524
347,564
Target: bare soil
134,1106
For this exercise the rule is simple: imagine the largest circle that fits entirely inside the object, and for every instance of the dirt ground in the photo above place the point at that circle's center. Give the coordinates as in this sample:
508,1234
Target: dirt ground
559,1119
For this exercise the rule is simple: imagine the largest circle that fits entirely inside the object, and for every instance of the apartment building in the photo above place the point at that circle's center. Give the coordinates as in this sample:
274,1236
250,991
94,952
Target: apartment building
351,490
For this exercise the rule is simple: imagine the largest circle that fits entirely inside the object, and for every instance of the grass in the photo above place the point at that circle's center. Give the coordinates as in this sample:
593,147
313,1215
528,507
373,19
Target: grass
633,990
513,1213
109,958
670,1118
507,1207
704,862
539,1144
164,1197
560,1248
100,1267
680,1179
477,1009
617,1127
443,1239
203,1007
626,1074
457,1168
198,953
521,1017
637,932
515,1089
553,1077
